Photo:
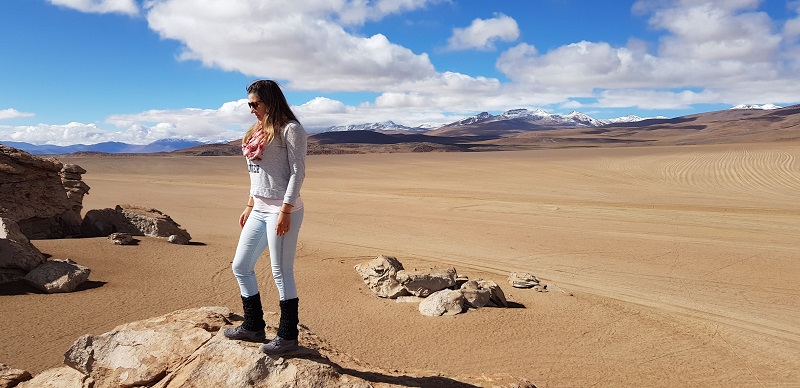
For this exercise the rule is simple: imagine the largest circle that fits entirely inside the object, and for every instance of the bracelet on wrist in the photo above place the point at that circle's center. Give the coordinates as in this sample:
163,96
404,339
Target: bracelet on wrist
249,205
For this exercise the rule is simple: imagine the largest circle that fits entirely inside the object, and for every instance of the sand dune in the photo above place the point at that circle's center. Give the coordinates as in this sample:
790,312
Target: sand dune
682,261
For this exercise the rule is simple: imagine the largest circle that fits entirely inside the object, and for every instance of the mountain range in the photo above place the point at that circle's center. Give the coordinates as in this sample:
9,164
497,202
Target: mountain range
526,117
111,147
516,127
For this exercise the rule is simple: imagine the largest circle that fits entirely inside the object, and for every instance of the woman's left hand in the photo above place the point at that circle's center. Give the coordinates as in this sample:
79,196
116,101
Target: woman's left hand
284,222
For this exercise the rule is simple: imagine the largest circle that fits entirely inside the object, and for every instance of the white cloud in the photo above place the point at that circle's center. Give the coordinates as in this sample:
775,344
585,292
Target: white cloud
12,113
653,99
127,7
298,41
483,33
719,48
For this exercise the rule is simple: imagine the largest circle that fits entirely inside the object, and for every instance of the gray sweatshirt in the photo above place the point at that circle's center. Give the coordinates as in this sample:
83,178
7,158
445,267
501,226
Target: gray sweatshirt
282,168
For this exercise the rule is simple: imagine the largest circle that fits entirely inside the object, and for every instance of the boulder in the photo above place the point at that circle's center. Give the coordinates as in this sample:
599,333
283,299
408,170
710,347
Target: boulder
380,275
61,377
42,195
55,276
522,280
143,352
10,377
17,254
121,238
474,295
497,298
444,302
135,220
424,283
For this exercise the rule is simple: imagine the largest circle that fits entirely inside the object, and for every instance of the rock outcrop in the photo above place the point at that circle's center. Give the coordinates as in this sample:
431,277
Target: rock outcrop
380,275
134,220
55,276
186,348
42,195
61,377
17,255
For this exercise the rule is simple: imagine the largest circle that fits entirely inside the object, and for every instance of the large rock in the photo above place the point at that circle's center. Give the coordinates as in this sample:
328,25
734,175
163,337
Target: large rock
444,302
215,360
17,254
56,276
380,275
187,349
497,297
143,352
474,295
61,377
41,195
10,377
424,283
135,220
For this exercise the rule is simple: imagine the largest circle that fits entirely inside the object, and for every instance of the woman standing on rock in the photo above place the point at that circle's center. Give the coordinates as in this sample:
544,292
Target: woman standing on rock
275,149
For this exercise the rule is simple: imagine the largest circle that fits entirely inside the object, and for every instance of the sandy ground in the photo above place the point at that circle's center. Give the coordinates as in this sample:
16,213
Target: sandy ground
683,262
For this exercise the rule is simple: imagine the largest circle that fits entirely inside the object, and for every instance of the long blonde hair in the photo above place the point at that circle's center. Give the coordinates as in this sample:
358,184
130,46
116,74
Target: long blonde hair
278,111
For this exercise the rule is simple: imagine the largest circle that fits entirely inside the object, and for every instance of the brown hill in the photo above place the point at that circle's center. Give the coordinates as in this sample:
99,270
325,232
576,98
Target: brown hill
728,126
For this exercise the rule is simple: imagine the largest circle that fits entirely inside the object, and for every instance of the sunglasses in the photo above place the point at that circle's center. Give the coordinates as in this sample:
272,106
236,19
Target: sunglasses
253,105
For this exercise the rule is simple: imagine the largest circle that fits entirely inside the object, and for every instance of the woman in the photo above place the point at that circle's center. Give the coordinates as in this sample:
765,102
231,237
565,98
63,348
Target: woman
275,149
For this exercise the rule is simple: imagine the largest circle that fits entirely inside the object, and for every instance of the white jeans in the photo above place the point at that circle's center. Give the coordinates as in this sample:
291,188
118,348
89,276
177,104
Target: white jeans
257,234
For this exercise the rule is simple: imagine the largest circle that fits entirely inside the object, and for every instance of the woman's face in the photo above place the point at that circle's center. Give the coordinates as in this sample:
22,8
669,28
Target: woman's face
259,110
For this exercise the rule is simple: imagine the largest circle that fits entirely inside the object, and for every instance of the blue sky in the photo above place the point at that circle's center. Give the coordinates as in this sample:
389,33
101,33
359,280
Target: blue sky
85,71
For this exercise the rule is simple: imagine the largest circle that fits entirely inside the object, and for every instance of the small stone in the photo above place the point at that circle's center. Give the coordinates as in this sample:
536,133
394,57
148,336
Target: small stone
522,280
121,238
178,239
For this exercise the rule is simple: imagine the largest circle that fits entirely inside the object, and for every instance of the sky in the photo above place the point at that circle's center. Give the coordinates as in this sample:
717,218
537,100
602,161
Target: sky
136,71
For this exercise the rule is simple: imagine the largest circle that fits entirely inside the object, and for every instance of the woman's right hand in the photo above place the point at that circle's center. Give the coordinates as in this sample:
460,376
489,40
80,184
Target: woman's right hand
243,217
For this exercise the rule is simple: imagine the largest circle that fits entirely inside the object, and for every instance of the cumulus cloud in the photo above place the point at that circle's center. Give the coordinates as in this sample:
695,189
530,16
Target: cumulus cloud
303,42
719,47
127,7
208,125
483,33
12,113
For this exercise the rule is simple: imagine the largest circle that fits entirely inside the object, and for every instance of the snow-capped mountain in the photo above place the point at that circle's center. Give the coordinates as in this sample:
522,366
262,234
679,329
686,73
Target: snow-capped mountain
386,126
543,118
480,117
538,118
755,106
632,119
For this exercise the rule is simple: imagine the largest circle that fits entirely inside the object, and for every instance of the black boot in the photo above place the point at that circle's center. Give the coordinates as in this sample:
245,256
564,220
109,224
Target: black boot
252,329
286,340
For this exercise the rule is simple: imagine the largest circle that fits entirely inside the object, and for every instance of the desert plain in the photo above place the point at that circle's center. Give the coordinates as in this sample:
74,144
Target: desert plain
680,264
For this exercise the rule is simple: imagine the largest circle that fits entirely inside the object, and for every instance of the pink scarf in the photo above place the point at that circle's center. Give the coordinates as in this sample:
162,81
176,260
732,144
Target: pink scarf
255,146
